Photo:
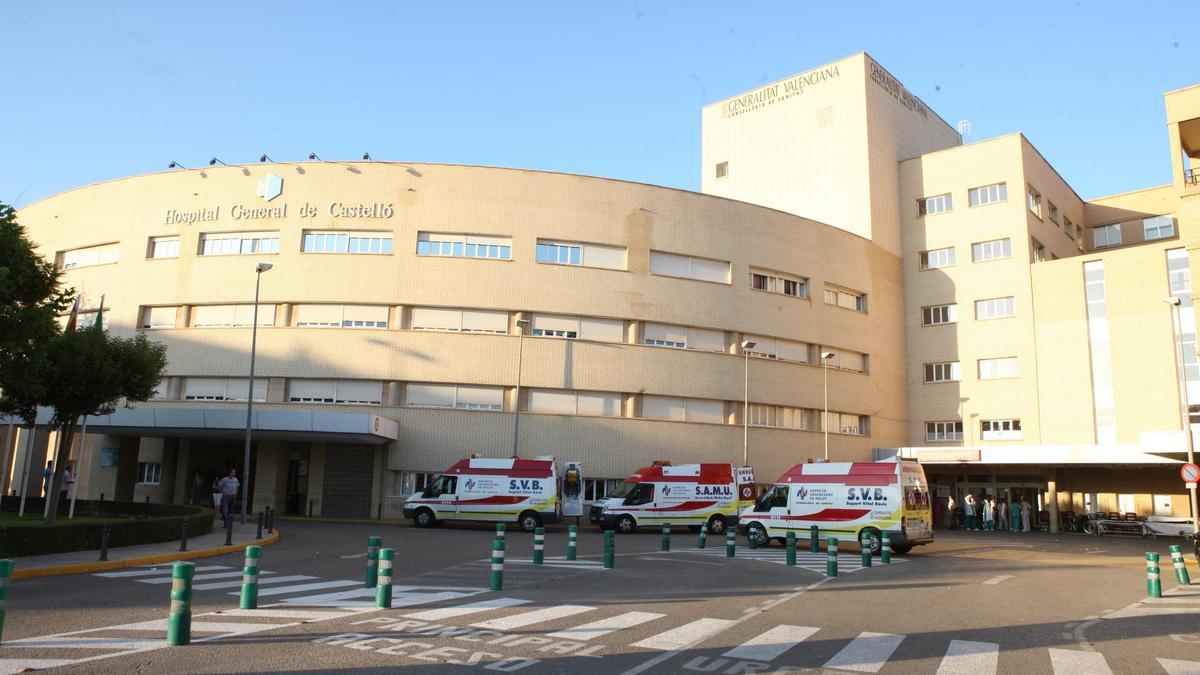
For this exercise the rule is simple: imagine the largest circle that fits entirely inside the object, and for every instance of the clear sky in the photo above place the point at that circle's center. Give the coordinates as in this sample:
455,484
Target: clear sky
100,90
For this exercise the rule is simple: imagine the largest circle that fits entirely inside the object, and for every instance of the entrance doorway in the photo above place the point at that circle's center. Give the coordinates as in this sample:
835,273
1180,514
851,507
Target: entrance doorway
1005,489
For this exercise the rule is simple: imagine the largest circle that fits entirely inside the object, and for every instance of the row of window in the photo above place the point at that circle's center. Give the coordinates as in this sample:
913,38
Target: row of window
988,369
983,251
1157,227
991,308
989,430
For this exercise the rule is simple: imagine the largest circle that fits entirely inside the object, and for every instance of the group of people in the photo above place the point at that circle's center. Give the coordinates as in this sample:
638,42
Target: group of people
220,492
988,513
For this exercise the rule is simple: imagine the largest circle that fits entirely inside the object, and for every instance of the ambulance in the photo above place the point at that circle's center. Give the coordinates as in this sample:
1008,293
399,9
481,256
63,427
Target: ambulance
852,501
524,491
688,494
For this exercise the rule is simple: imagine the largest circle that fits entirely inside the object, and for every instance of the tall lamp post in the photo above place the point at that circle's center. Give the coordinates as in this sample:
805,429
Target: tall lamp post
746,347
258,272
522,324
1175,303
825,356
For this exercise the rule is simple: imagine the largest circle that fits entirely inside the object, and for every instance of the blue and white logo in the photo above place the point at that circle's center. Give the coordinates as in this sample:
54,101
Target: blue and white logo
270,186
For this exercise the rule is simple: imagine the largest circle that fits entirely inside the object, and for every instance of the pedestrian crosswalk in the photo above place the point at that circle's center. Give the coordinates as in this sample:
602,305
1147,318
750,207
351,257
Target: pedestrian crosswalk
1176,600
813,562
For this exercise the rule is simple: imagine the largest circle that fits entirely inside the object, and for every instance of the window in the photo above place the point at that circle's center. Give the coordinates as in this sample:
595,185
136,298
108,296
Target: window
942,257
415,481
1159,227
936,432
164,247
222,389
455,396
722,169
998,369
946,371
784,350
86,257
87,319
464,245
681,337
149,473
932,205
778,282
936,315
1069,228
996,249
347,242
359,392
1106,235
846,299
687,267
340,316
1054,215
848,360
584,328
783,417
1038,251
1033,200
562,402
583,255
226,316
162,391
158,317
994,308
848,423
459,320
1100,342
1000,430
1162,505
683,409
988,194
239,243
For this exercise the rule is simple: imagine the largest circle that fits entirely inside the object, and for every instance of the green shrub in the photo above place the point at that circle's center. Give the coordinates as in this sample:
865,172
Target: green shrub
132,523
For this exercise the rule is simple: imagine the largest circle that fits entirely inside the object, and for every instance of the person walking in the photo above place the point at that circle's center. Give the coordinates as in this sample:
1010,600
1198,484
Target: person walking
1002,514
950,524
969,511
216,496
229,489
199,491
46,476
989,513
1014,511
1025,509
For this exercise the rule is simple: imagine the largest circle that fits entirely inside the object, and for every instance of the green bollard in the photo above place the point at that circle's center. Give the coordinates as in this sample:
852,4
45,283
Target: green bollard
497,578
885,550
866,550
791,549
383,589
730,542
6,571
814,536
572,541
753,540
610,550
666,538
179,618
1153,579
1181,573
500,529
539,545
250,578
831,555
373,544
703,535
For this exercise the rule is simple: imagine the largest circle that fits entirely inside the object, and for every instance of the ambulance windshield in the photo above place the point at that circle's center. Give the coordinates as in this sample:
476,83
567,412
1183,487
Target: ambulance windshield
622,491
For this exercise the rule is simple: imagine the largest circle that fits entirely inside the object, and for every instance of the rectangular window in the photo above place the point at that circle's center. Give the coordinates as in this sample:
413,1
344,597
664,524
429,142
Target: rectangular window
946,371
149,473
848,423
1099,339
997,249
688,267
846,299
222,389
231,316
583,255
158,317
1159,227
941,257
164,247
464,245
340,316
1054,215
467,397
936,432
771,348
683,409
1037,251
848,360
239,243
931,205
988,194
88,256
681,337
994,308
998,369
584,328
778,282
1033,201
588,403
1069,228
936,315
346,241
722,169
459,320
1000,430
352,392
1106,235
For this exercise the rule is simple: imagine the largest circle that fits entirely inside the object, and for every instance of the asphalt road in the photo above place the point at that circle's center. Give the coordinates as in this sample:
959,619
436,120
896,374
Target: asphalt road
971,603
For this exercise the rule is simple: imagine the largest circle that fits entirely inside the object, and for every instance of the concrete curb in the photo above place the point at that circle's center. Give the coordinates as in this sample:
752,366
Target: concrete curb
345,521
98,566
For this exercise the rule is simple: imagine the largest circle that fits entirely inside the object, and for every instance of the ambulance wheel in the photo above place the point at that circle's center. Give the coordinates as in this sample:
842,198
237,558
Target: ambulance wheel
529,521
870,539
757,533
716,525
424,518
902,550
626,524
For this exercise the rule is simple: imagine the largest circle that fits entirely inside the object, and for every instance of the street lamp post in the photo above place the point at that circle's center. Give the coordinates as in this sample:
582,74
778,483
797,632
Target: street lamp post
522,324
1175,303
825,356
258,270
746,347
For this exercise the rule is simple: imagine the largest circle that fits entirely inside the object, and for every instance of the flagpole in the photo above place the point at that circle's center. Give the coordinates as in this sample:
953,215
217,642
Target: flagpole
8,442
25,474
75,473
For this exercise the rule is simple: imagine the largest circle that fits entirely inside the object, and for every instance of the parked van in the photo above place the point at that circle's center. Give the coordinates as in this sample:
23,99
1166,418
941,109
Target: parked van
524,491
688,494
851,501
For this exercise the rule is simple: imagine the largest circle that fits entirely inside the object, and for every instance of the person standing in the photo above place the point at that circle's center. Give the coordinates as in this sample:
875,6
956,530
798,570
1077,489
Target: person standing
969,511
1025,509
950,525
46,476
1014,511
199,491
216,496
989,513
229,489
1002,513
67,480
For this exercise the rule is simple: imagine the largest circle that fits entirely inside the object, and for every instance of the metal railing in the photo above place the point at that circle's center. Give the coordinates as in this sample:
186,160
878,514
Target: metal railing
1191,177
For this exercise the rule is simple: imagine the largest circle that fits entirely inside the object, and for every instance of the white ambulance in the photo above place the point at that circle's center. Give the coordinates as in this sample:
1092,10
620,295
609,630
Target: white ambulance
851,501
688,494
524,491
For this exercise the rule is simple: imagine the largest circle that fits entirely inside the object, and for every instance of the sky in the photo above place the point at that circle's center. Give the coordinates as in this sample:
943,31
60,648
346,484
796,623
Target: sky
102,90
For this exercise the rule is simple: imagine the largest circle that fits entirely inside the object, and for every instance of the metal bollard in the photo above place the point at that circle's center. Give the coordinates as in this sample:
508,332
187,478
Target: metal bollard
753,540
497,578
250,578
572,537
179,618
270,520
500,529
814,536
373,544
379,511
791,549
310,508
730,542
3,534
831,555
6,570
105,533
1153,579
539,545
666,537
229,530
610,550
866,550
383,589
885,550
261,517
1181,572
703,535
183,533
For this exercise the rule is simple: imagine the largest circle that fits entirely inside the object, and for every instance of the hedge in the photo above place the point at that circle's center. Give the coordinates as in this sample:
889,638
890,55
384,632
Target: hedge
132,524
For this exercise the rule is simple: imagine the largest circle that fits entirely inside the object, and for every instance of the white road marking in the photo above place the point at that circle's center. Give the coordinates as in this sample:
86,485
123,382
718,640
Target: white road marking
262,580
85,643
680,560
602,627
356,555
866,653
995,580
298,614
198,577
156,571
771,644
530,618
471,608
160,625
970,658
685,635
1176,667
1076,662
305,587
25,665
